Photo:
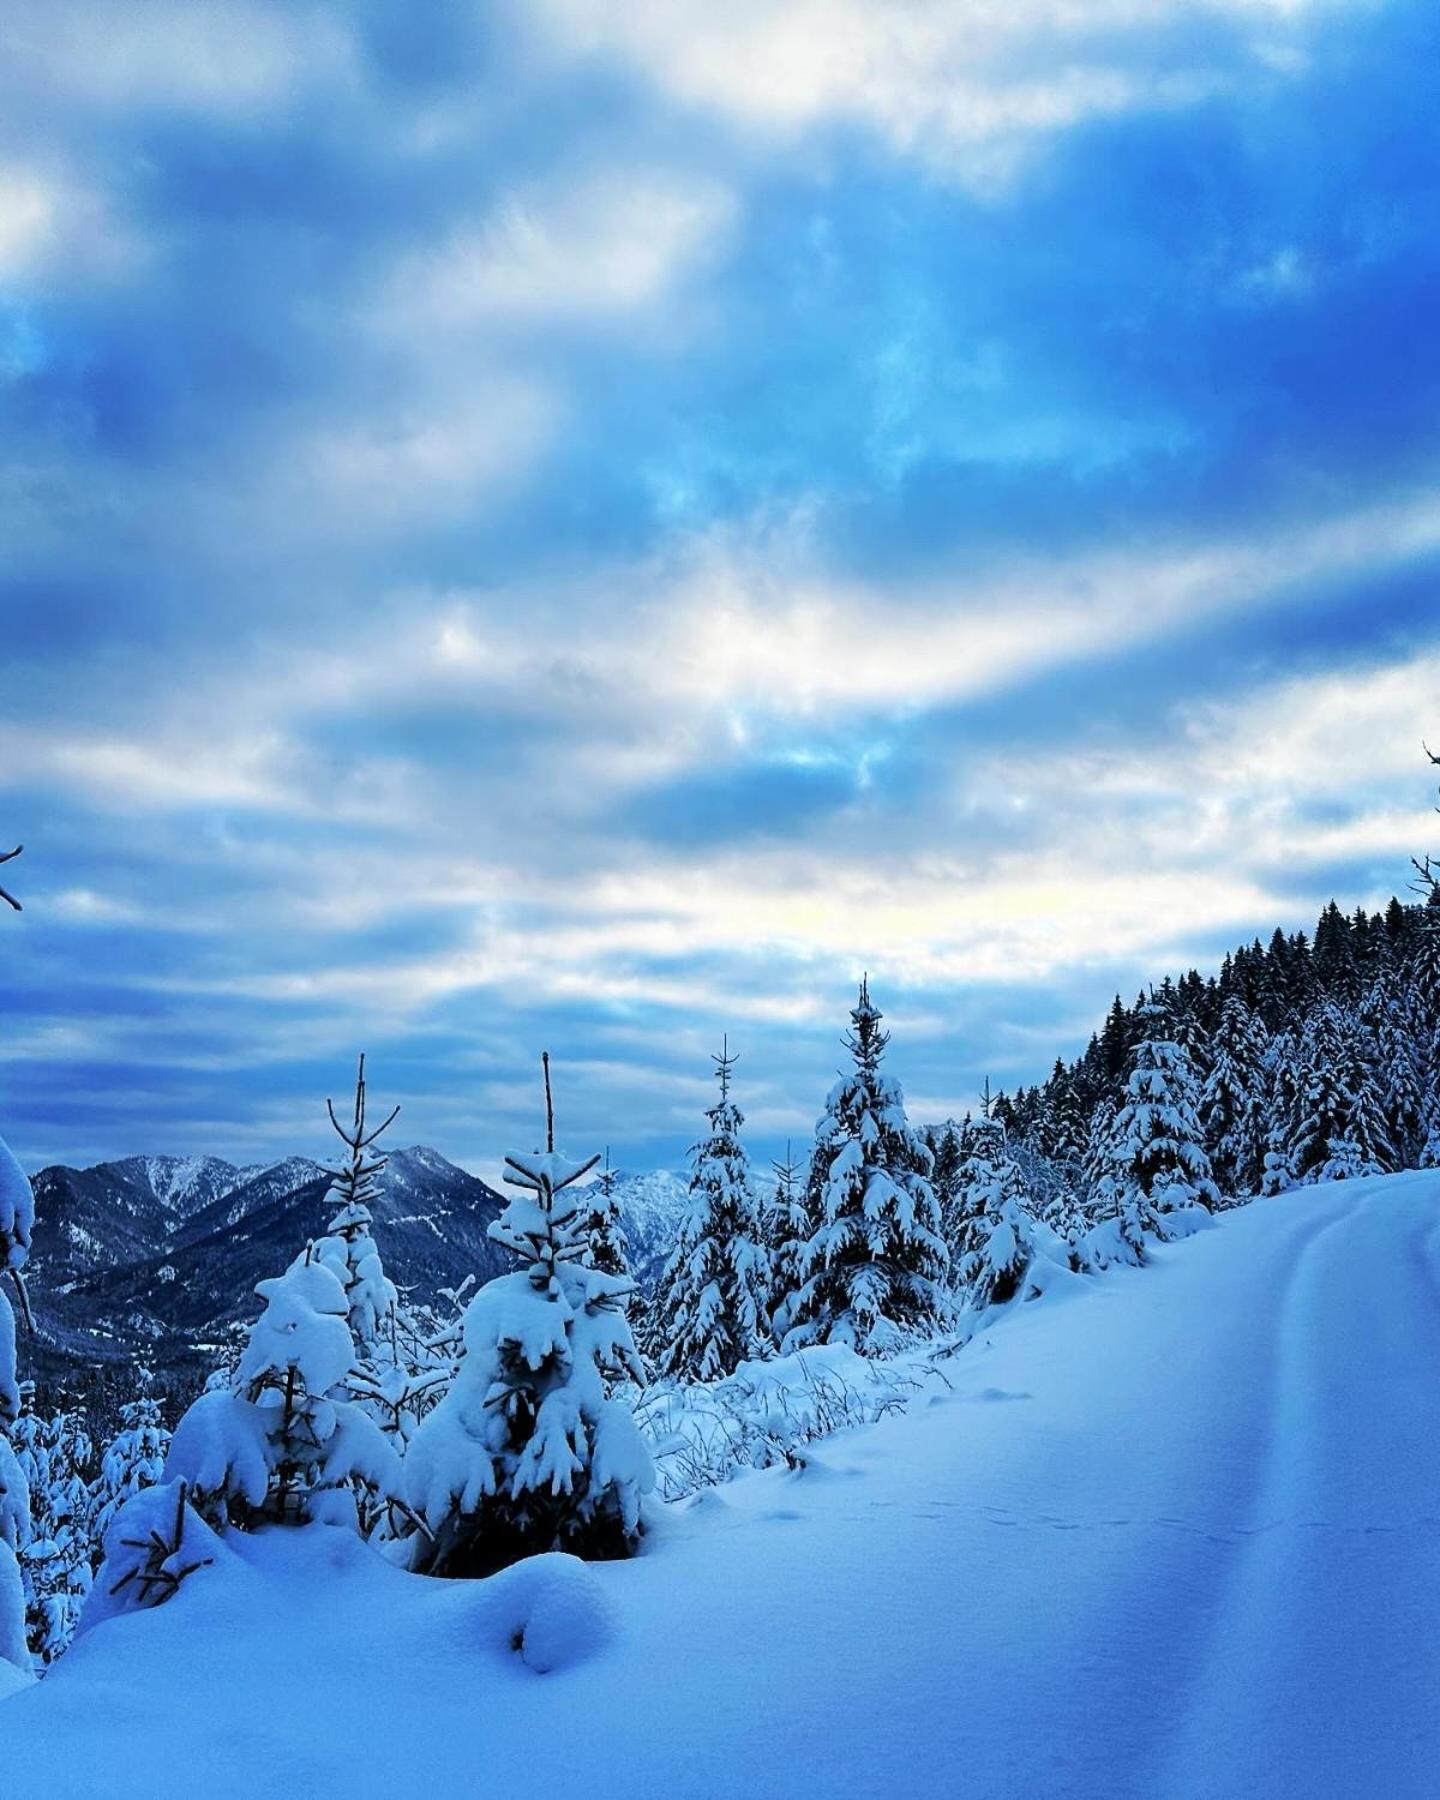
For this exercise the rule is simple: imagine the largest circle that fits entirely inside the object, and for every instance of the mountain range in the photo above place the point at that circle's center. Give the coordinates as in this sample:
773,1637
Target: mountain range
154,1259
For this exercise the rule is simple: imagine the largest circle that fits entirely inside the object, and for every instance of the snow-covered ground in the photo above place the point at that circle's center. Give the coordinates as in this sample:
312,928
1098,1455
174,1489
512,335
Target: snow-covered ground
1178,1536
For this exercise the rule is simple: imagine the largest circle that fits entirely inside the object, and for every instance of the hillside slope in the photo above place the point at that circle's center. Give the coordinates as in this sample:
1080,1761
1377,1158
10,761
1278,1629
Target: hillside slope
1175,1537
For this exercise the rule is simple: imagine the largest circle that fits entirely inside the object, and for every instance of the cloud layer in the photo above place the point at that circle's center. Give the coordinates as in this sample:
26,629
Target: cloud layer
569,527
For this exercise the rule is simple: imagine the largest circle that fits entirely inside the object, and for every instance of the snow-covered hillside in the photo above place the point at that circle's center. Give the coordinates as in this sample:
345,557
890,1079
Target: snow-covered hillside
1175,1537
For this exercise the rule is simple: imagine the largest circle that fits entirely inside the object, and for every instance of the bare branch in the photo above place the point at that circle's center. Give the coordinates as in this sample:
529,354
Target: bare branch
5,894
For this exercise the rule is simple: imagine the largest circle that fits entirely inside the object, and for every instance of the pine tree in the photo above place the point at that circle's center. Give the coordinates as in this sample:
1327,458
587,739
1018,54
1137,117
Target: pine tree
875,1266
711,1309
279,1443
787,1231
1156,1151
17,1216
135,1458
526,1452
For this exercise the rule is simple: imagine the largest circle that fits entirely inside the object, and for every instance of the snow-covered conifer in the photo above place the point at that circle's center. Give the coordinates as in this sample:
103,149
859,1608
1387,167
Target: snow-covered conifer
1395,1043
1231,1114
876,1265
1016,1257
527,1452
982,1150
1155,1149
1363,1145
55,1556
1322,1103
349,1249
135,1457
711,1308
787,1231
609,1250
277,1444
946,1144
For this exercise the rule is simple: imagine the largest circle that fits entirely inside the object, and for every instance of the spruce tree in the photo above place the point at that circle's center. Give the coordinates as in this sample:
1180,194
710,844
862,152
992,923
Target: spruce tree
1402,1070
1363,1145
608,1249
1016,1256
787,1231
983,1149
1231,1114
1322,1103
876,1266
527,1452
1156,1151
711,1308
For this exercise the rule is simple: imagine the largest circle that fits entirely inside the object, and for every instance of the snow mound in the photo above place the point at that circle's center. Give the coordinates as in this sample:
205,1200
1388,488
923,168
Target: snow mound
549,1610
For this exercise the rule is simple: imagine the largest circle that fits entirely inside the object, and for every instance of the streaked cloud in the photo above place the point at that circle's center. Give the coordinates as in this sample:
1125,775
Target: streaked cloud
590,528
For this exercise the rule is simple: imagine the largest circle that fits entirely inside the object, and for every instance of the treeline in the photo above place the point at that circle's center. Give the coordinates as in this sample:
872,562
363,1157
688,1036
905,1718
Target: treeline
1307,1059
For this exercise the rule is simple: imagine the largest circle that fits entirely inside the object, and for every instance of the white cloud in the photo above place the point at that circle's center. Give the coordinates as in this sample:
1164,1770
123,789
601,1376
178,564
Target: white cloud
603,246
52,226
964,83
224,56
426,461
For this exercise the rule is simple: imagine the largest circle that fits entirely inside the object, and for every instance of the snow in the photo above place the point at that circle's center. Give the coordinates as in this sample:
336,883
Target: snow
1174,1539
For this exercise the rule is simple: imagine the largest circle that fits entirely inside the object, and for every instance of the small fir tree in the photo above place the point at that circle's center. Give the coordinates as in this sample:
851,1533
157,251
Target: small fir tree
711,1310
55,1557
135,1458
876,1266
527,1452
279,1443
609,1250
349,1250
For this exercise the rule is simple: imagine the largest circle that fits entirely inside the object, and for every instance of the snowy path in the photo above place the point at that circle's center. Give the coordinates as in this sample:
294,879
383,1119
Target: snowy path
1176,1537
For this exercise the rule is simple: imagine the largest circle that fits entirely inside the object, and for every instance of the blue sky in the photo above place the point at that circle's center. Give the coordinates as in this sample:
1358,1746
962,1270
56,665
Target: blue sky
584,527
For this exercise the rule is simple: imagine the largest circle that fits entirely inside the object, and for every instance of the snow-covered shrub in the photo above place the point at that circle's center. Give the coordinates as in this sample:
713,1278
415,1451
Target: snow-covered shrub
526,1452
875,1267
705,1433
153,1544
276,1444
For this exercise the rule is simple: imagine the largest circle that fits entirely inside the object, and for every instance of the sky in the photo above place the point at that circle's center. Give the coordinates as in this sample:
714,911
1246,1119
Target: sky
579,527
